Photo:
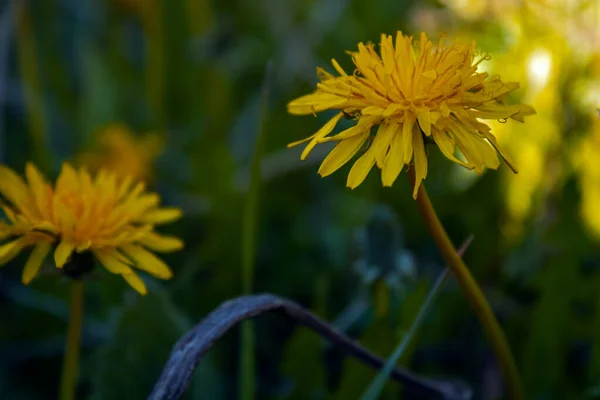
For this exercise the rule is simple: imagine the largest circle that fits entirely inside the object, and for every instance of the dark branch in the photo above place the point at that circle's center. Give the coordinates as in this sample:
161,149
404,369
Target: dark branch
190,349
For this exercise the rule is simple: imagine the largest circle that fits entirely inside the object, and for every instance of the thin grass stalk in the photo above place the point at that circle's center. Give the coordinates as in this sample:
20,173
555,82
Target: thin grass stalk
152,22
249,233
376,387
32,90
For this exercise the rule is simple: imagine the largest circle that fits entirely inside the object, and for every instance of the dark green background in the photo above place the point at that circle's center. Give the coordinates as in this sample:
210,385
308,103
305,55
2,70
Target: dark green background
196,76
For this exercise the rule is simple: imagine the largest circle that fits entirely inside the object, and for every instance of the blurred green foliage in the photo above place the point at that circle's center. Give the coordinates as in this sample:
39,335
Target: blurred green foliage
191,70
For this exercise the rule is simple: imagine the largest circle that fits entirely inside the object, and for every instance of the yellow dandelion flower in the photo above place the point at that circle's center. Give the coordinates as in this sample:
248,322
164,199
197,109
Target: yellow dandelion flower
106,217
415,93
120,151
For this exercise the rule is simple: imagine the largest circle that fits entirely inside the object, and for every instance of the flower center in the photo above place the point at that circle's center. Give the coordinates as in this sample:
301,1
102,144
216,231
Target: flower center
79,264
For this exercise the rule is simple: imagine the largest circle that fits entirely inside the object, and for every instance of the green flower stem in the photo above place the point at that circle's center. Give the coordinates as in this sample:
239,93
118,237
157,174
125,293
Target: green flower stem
473,293
71,360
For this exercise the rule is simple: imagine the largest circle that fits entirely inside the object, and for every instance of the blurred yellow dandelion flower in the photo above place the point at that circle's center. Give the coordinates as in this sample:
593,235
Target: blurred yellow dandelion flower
106,217
120,151
415,93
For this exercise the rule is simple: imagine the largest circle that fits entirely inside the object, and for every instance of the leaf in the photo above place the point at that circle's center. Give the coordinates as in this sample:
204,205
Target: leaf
192,347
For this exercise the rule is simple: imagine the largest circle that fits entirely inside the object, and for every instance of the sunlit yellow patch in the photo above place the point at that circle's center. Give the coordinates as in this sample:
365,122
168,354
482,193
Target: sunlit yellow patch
119,150
112,217
586,155
413,91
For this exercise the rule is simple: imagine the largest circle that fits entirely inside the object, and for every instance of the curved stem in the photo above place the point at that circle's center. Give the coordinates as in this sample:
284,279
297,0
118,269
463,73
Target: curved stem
193,346
71,360
473,293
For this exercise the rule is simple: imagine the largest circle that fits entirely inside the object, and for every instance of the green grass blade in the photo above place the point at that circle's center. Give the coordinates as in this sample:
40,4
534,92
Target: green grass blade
249,230
376,387
32,88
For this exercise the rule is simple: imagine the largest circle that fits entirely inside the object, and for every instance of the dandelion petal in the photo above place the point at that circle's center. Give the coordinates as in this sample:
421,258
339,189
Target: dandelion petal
424,120
360,170
34,262
321,133
394,161
447,146
112,261
407,134
136,282
148,262
342,153
469,149
161,243
9,250
420,160
162,215
382,141
63,252
492,139
487,153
